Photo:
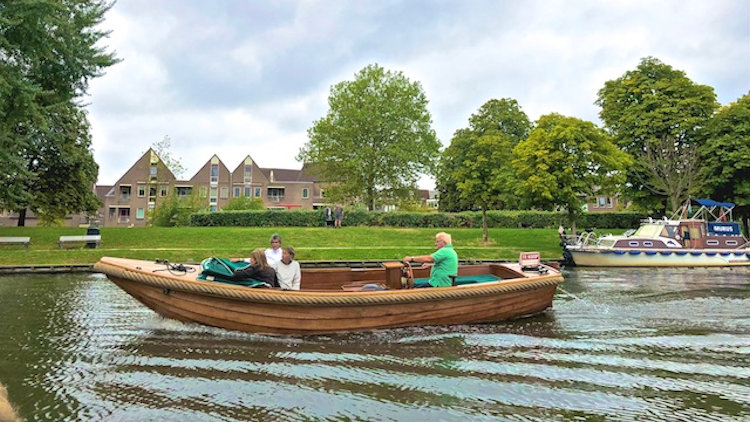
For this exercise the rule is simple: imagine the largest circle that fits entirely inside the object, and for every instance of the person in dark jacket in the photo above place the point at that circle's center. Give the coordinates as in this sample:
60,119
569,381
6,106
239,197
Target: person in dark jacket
257,270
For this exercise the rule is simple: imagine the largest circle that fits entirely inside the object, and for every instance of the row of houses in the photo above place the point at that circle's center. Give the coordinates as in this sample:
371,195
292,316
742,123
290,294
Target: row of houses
127,203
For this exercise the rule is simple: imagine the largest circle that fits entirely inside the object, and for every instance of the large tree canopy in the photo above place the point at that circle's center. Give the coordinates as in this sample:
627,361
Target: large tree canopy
563,161
654,113
48,54
475,170
375,141
725,156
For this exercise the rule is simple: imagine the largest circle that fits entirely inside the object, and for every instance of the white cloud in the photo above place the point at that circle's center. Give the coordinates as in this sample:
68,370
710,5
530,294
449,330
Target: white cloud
236,78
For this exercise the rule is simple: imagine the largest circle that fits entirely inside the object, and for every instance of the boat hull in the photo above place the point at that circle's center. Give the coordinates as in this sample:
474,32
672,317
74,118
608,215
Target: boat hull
598,257
313,312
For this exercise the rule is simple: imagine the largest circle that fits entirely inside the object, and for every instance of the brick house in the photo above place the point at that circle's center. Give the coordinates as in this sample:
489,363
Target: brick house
128,201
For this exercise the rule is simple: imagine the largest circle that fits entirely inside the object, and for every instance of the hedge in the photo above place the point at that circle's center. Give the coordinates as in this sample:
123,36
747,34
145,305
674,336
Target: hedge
467,219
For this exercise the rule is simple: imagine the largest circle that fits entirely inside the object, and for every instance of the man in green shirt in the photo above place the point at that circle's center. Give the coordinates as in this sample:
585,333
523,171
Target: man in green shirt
444,258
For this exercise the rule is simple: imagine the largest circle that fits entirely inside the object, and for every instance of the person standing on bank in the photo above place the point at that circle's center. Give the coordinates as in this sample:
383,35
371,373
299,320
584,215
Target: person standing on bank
445,261
273,254
338,216
288,273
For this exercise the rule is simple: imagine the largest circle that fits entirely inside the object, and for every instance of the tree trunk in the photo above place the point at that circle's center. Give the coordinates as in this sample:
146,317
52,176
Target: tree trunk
485,237
22,217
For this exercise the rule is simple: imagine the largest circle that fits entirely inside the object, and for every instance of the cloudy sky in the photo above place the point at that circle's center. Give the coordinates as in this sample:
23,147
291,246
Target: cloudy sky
239,77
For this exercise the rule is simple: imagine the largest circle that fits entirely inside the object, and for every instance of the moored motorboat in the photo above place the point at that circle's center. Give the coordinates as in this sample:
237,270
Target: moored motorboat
337,299
705,238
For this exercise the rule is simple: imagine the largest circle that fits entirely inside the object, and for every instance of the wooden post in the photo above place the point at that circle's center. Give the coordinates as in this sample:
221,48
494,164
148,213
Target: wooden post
393,274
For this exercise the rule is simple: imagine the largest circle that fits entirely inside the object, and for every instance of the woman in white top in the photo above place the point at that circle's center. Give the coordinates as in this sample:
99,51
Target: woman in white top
288,274
273,254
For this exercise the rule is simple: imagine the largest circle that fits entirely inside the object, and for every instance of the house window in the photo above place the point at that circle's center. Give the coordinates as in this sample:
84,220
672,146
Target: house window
224,192
204,192
184,191
275,194
602,201
123,215
305,193
248,173
212,208
141,191
609,202
124,193
213,192
139,214
152,191
257,192
214,173
153,171
163,191
237,192
248,191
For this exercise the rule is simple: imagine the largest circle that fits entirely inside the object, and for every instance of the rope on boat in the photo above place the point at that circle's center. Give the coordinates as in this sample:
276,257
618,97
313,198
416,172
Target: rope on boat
325,298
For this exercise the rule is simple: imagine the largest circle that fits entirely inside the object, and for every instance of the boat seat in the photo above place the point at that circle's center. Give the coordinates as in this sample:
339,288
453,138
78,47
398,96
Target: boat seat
463,279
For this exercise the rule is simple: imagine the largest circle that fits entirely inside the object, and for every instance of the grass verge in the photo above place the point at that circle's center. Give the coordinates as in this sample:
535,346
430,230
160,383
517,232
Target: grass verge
183,244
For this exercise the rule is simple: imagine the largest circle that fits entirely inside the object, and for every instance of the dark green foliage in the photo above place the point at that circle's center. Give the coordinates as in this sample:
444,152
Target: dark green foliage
173,211
475,170
466,219
48,54
654,113
244,203
375,141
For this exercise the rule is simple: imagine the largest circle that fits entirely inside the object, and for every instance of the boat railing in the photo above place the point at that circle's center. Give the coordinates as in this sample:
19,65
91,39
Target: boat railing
582,239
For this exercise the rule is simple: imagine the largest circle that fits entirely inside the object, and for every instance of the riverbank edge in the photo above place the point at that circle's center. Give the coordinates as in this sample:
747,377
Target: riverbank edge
89,268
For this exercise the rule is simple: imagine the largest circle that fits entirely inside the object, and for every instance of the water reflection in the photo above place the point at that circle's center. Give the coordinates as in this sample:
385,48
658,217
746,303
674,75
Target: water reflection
627,344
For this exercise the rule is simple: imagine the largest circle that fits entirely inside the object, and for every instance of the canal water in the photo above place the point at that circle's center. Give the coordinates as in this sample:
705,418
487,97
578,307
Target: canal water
633,344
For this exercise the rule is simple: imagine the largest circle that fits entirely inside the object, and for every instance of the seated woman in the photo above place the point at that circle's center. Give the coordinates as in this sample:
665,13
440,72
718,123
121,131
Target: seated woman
288,273
257,270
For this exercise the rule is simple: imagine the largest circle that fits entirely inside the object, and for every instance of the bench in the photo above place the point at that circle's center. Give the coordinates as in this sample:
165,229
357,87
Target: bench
25,241
64,240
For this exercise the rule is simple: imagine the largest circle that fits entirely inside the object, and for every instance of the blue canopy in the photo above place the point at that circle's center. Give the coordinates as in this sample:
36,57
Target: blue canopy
712,203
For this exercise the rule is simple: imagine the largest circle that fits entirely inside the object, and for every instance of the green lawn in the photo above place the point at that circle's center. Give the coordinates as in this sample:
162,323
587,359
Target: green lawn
196,243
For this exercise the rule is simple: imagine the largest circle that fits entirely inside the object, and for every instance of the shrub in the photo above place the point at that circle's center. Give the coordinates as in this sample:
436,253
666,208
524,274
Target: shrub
465,219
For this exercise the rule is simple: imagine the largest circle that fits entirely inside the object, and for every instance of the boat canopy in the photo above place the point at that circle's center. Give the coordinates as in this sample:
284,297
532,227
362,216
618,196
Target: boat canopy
712,203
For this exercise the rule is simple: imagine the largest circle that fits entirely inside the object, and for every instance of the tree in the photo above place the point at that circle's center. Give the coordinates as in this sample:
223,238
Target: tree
493,132
654,113
244,203
725,155
163,150
375,140
563,161
49,53
174,211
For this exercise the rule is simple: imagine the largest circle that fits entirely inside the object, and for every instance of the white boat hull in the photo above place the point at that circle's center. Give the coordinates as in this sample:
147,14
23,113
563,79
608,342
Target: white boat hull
601,257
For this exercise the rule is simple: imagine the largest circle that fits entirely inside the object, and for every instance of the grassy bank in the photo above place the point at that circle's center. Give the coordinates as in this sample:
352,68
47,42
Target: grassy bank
195,243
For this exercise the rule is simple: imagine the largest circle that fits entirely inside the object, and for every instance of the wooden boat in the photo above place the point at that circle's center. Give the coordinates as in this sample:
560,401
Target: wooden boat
333,299
705,238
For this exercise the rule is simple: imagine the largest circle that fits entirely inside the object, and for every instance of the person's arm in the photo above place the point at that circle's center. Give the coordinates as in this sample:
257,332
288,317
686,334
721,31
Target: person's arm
419,258
297,277
247,272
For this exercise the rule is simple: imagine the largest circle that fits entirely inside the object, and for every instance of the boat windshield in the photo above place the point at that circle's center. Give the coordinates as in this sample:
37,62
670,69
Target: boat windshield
649,230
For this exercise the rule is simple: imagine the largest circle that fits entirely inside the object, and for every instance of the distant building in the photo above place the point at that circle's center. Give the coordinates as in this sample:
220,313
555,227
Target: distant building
127,202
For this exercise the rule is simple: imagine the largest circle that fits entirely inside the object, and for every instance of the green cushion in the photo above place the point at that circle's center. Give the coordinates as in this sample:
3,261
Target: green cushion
464,279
